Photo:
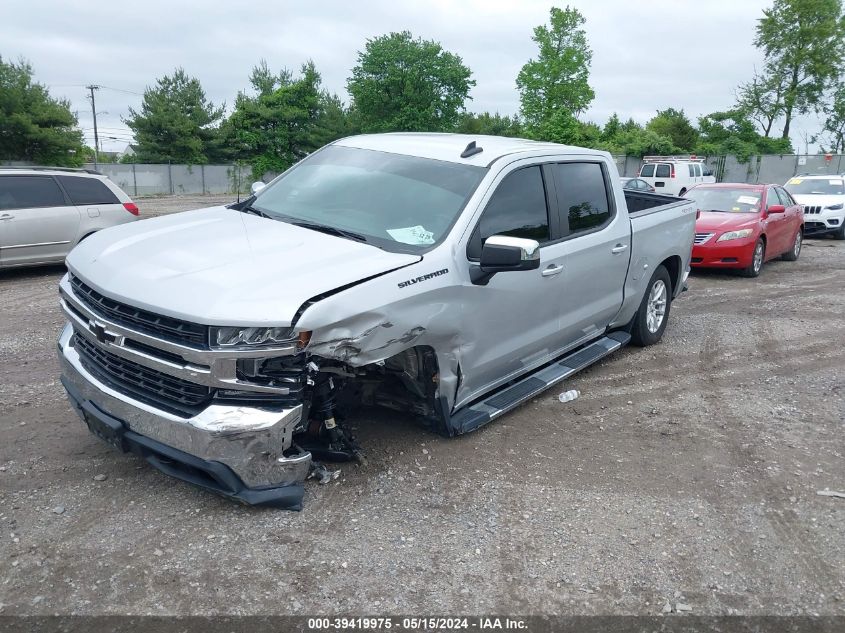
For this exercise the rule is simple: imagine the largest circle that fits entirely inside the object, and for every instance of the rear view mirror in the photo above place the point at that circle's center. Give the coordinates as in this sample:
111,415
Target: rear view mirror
776,208
503,253
257,186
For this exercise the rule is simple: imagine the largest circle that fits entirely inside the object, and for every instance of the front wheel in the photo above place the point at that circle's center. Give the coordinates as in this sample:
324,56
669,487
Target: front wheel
756,264
840,234
653,314
792,254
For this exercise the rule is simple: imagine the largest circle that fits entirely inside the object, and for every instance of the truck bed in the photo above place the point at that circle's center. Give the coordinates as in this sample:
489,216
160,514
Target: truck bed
640,202
662,229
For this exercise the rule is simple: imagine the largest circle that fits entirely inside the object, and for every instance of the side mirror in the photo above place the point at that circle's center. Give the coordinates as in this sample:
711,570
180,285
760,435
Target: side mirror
502,253
776,208
257,186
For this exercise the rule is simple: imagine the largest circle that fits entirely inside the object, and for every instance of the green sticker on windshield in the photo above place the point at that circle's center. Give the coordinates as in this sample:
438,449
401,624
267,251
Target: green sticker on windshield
416,235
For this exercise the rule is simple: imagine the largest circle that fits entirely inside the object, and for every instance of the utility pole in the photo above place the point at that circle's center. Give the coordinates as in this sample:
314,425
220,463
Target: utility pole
92,88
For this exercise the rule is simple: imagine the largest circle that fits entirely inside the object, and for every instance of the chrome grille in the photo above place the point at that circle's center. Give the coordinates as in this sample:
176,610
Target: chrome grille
812,209
168,328
700,238
142,383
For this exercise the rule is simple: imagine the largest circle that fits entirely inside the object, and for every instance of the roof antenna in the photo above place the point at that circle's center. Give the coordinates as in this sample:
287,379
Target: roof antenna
471,150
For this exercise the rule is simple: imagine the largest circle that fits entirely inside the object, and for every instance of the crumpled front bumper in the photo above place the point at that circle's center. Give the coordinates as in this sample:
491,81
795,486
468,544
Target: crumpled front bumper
235,451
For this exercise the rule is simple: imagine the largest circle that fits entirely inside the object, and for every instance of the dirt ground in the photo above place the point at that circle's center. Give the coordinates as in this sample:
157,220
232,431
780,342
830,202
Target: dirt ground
685,473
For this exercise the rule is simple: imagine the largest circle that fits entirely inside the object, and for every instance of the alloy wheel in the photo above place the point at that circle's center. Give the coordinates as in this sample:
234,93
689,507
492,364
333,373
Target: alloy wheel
656,307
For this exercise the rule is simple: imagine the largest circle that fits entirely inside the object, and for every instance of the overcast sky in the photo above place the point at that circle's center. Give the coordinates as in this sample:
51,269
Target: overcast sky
688,54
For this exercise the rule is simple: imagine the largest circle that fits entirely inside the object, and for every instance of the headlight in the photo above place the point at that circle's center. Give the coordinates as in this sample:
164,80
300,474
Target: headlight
834,207
734,235
251,337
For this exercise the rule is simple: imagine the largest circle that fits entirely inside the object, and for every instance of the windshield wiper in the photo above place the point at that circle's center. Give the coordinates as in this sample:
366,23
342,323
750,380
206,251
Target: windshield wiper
250,209
330,230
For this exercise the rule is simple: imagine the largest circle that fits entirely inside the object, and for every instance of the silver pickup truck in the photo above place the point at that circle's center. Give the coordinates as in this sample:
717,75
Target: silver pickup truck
448,277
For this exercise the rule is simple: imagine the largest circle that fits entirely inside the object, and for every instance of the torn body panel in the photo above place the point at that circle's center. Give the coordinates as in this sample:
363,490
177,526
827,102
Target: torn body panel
393,317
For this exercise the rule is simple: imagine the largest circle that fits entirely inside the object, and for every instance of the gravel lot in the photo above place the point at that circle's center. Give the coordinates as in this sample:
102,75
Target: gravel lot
685,473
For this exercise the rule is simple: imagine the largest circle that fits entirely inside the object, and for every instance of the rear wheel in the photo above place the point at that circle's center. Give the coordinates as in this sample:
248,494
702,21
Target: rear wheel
792,254
756,264
653,314
682,193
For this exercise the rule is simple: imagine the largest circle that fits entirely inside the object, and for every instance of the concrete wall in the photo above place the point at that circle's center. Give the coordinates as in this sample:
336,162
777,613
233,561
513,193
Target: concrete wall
759,169
151,179
146,180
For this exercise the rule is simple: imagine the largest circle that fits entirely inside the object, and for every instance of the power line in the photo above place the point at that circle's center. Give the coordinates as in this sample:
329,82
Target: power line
129,92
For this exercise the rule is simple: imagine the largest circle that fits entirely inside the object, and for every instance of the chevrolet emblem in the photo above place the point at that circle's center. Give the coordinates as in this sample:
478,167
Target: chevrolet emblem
99,330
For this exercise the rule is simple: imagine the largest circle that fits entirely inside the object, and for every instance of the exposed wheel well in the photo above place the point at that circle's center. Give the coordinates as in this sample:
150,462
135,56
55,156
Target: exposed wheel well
673,266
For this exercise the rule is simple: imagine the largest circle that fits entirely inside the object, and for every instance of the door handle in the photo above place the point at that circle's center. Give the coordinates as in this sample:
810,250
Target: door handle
6,216
618,248
552,270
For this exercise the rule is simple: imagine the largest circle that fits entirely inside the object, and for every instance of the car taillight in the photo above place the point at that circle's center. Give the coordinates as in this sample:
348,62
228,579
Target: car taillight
673,172
131,207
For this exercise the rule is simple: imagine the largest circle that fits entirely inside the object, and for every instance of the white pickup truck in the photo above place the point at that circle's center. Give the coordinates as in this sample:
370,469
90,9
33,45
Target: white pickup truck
445,276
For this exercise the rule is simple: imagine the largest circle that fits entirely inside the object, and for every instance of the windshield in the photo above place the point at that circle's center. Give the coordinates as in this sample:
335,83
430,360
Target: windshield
726,200
820,186
395,202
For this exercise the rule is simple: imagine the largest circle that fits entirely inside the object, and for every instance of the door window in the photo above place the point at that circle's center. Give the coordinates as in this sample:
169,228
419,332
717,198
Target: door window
772,197
697,171
784,197
27,192
691,168
517,208
662,171
87,190
582,196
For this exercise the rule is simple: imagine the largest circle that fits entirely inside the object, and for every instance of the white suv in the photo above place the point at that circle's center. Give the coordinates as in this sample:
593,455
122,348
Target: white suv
675,175
46,211
823,199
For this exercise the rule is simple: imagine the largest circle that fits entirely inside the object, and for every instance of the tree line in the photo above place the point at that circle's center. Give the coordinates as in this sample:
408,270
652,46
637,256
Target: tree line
405,83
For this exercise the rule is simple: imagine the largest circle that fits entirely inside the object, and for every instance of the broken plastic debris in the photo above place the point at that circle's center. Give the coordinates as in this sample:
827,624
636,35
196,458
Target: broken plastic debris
831,493
568,396
323,474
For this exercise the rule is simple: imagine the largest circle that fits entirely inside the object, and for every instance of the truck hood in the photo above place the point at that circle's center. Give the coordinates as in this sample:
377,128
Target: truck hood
219,266
711,221
811,200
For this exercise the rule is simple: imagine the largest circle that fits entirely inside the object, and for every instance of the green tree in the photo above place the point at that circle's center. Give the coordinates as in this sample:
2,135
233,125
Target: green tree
279,125
335,120
642,142
833,130
486,123
34,126
558,80
611,129
402,83
802,41
176,123
762,100
674,125
732,132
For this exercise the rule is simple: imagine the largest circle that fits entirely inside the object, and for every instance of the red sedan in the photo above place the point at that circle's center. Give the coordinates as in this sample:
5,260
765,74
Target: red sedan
741,226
